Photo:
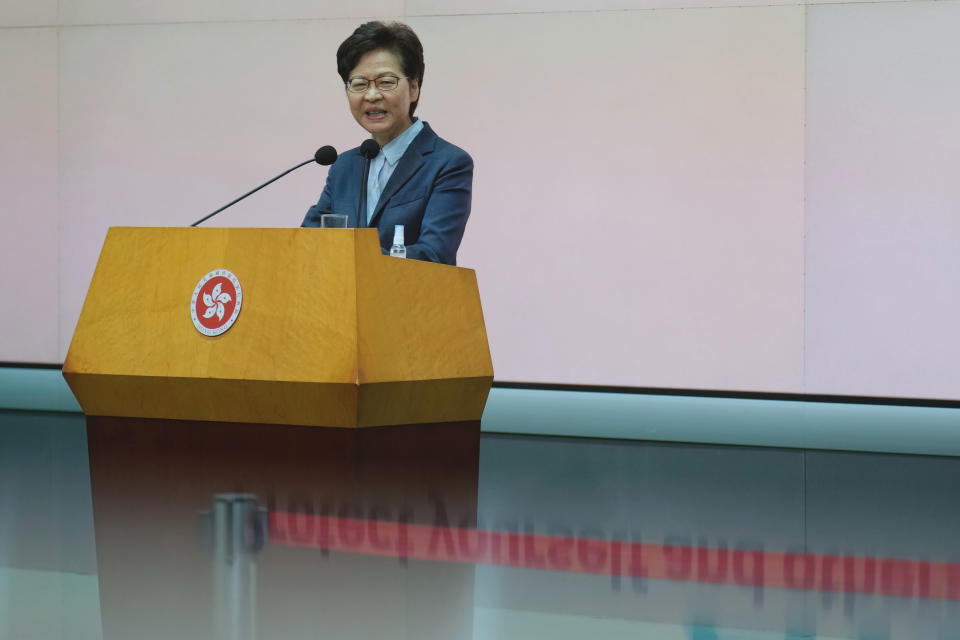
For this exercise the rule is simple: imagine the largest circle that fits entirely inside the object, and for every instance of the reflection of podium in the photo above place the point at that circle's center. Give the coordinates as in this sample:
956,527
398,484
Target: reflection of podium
330,332
164,573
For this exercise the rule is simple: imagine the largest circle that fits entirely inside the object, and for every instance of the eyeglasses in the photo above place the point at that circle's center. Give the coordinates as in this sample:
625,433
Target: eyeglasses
383,83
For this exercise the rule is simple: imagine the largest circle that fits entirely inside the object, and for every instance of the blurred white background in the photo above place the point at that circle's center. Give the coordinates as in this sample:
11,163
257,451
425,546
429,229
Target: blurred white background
692,194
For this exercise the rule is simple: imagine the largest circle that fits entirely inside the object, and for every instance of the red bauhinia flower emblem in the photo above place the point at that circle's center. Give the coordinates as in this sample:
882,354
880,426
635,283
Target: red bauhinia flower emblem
216,302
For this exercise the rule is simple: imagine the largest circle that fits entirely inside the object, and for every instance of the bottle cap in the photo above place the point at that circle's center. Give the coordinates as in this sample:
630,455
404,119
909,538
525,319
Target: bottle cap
398,234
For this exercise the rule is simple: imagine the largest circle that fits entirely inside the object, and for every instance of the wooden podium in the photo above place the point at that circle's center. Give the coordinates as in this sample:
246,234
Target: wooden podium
330,332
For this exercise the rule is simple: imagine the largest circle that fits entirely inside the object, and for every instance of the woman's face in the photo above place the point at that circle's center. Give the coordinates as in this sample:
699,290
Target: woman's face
385,114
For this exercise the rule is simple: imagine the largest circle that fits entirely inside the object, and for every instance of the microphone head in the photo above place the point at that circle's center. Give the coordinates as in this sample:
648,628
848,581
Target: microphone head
325,155
369,149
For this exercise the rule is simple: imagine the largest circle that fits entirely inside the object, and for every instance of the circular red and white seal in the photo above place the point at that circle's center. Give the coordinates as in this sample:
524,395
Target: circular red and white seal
216,302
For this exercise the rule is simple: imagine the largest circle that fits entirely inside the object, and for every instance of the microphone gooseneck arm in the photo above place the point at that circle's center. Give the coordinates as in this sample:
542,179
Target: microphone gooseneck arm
250,193
368,151
325,155
362,200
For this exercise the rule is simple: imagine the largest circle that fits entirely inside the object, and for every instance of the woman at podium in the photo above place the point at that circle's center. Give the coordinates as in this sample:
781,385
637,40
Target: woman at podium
417,178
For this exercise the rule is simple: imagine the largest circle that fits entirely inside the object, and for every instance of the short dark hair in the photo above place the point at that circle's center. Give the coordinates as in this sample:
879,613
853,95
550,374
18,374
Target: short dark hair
395,37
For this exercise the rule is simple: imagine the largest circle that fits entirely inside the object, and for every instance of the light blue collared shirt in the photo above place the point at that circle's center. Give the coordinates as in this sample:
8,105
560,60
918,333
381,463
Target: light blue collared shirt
381,167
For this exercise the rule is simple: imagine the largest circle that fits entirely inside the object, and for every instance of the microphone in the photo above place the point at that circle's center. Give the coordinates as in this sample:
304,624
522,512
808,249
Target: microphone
368,151
325,155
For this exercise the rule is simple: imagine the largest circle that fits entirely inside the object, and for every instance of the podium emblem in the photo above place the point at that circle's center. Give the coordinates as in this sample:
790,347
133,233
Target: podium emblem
216,302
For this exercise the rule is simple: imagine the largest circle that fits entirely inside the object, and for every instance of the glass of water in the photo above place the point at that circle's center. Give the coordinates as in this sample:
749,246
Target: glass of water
333,221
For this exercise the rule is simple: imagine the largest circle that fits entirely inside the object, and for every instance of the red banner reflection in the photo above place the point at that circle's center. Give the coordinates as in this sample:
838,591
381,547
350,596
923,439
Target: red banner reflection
743,567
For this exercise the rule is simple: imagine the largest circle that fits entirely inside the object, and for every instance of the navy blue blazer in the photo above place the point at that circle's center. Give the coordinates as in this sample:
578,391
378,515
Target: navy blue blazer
428,193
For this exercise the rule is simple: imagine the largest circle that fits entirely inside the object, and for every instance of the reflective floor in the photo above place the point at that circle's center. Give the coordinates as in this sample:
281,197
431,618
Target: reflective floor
123,529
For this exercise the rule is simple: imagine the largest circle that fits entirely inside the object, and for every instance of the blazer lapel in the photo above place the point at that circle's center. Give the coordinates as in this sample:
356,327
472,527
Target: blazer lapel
410,162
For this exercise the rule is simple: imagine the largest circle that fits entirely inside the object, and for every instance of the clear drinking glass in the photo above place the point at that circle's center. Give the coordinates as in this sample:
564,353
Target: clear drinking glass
333,221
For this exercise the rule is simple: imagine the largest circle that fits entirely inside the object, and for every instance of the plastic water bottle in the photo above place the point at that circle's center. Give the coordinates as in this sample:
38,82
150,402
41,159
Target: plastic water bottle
398,250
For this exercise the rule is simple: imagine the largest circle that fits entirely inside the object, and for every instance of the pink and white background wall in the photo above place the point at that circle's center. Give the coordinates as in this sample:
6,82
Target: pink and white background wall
668,193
